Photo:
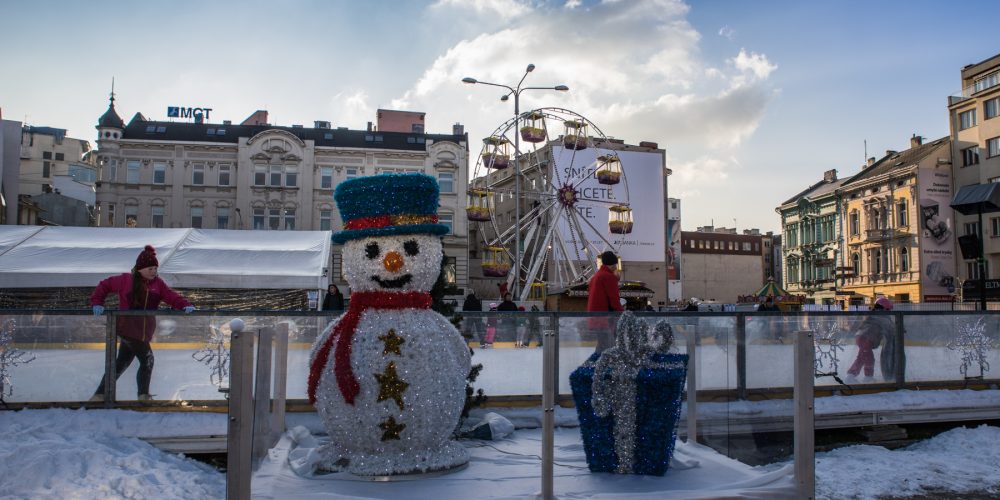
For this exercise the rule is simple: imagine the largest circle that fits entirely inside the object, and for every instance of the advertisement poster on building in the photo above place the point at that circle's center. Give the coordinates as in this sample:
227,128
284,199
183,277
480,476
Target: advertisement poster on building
642,189
674,250
936,234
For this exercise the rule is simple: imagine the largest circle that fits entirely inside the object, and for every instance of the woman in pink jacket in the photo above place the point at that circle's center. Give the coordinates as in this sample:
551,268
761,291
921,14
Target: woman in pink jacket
141,289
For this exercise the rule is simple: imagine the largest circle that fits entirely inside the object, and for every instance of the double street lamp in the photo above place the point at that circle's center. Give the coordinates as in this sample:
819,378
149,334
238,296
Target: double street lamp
516,92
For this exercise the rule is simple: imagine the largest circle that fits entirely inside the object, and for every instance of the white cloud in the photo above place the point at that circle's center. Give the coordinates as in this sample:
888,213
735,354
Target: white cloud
352,108
572,4
727,32
634,68
505,10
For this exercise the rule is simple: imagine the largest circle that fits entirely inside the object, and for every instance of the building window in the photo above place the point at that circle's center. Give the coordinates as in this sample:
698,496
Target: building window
450,270
446,181
325,220
225,175
112,170
196,216
291,176
993,147
350,173
904,260
856,263
259,175
274,177
993,179
131,215
60,157
986,82
132,175
157,212
46,169
222,217
258,218
967,119
326,178
991,108
111,215
198,175
289,219
159,174
970,156
855,223
448,220
81,173
877,262
995,227
46,155
274,218
972,268
902,217
972,228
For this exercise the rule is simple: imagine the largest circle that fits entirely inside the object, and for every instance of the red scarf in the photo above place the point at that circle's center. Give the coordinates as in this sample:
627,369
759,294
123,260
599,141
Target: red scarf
344,335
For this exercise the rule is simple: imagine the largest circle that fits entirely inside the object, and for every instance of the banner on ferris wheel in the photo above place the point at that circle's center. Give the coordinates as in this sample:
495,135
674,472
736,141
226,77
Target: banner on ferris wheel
644,177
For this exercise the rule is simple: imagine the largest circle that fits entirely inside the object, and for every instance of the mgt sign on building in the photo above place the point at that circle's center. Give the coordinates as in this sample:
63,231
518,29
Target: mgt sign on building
182,112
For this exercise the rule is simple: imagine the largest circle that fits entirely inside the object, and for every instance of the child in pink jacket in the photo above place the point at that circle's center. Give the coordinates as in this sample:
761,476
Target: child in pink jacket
141,289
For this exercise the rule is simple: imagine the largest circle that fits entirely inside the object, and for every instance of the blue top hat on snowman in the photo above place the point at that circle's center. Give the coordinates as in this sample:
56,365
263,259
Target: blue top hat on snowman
388,204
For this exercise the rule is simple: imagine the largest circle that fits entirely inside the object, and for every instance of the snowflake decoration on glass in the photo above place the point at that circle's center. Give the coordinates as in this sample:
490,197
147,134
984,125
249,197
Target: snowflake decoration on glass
10,357
215,355
827,343
973,343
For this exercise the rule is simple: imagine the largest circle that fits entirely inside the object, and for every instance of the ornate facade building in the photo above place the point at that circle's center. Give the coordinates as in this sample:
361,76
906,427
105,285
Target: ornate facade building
811,241
258,176
898,227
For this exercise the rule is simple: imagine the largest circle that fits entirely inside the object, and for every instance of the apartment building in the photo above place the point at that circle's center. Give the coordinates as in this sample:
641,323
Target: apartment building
811,248
719,264
257,176
974,122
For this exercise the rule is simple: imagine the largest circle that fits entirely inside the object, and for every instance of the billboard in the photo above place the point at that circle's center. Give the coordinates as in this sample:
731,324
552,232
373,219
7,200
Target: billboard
937,234
642,188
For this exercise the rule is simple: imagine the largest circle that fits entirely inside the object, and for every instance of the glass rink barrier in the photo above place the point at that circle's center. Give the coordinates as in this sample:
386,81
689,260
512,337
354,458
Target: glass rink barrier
734,391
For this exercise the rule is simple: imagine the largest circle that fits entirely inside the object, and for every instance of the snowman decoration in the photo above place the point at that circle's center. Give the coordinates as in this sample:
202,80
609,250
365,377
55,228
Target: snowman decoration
388,376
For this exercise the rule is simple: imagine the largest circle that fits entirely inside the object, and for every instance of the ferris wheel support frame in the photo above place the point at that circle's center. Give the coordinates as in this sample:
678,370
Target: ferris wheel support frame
516,92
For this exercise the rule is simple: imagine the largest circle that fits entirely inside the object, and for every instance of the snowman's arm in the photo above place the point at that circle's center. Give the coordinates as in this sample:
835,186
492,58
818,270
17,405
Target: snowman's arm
321,339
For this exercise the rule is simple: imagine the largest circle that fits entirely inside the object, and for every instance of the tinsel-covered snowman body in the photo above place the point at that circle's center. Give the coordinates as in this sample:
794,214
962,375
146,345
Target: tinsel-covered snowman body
410,365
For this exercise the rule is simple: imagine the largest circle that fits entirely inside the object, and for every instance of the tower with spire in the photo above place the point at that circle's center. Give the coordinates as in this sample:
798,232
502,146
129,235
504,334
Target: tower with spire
110,126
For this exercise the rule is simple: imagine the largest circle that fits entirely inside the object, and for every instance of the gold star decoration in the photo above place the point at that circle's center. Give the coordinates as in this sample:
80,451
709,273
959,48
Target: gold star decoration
390,385
390,429
392,342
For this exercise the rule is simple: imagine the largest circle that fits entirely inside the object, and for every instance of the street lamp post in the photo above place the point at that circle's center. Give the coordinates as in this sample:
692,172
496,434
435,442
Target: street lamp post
516,92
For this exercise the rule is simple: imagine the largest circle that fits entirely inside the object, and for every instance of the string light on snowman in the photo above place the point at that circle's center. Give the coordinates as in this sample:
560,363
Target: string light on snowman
388,377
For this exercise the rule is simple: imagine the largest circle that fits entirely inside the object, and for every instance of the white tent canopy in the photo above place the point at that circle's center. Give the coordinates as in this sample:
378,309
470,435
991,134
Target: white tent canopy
33,257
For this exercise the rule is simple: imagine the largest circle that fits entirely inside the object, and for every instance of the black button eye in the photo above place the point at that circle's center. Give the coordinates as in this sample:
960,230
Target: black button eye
411,247
372,250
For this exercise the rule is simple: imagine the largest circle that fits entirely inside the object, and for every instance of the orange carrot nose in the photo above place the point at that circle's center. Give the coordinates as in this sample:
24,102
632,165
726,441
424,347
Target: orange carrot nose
392,262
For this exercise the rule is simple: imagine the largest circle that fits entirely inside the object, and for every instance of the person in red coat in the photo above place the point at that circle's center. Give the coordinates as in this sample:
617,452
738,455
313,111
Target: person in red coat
602,296
141,289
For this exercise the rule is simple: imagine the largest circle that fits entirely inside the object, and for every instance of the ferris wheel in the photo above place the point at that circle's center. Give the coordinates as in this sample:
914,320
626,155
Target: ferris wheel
573,201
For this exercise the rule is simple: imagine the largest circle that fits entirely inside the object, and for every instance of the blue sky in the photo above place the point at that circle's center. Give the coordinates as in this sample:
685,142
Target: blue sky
752,101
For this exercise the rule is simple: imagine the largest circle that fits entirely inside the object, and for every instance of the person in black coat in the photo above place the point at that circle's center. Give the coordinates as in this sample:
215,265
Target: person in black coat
334,300
475,327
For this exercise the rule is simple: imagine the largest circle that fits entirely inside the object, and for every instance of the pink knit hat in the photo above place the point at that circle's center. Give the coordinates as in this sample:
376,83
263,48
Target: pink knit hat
885,303
147,258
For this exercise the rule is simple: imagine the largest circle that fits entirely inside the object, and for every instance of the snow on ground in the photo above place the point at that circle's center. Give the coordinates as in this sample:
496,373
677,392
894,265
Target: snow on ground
62,453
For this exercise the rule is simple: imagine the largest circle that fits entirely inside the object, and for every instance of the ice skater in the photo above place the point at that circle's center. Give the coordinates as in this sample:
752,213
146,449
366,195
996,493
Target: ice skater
872,331
141,289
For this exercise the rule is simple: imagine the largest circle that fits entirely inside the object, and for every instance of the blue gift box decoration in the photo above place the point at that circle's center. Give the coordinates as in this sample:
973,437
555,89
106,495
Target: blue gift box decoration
628,400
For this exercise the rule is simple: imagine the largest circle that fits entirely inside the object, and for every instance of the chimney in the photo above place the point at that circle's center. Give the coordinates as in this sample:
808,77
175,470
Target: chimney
458,129
871,161
648,144
830,175
227,122
916,140
320,124
890,152
258,117
369,126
